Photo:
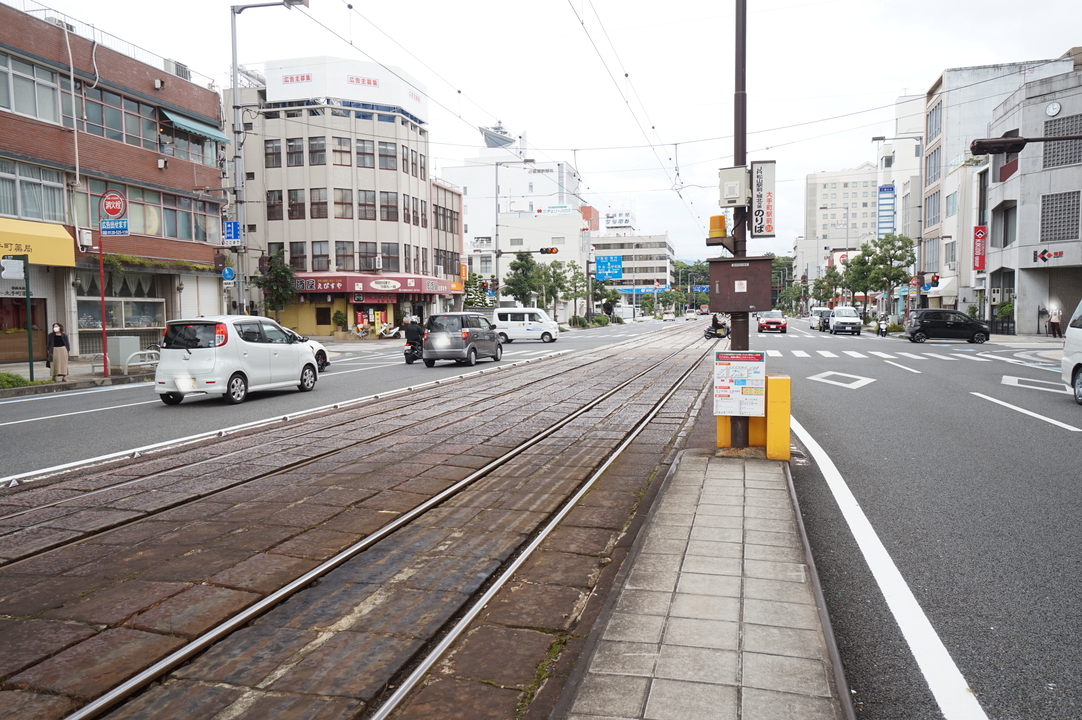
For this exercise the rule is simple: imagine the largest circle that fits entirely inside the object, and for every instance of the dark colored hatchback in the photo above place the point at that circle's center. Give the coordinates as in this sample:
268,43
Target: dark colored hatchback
945,325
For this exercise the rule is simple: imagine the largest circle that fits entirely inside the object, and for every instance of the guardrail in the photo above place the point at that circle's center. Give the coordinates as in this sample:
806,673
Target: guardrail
146,357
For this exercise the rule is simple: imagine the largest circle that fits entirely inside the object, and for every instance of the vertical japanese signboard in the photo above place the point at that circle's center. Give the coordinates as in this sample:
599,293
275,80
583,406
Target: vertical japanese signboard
980,236
762,199
740,384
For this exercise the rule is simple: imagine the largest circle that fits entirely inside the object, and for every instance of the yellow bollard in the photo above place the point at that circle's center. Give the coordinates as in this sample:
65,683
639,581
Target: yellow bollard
770,432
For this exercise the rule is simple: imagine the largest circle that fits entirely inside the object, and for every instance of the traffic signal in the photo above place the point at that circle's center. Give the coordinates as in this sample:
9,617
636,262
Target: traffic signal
549,251
997,146
219,262
264,264
495,285
484,286
935,281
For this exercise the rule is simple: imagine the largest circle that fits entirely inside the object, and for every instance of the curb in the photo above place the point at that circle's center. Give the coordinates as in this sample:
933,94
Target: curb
74,385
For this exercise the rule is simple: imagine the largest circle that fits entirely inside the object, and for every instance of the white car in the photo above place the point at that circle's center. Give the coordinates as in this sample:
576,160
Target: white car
1071,364
691,315
231,355
667,316
317,347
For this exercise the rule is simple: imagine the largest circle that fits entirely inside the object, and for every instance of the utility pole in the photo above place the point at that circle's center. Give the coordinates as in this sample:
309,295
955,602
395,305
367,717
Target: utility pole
738,332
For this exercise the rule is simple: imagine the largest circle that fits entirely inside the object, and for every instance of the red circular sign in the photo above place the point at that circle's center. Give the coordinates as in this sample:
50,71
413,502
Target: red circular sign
113,205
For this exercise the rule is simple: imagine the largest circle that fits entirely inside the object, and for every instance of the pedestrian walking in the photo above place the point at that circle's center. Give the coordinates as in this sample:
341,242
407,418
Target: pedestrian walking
58,346
1055,317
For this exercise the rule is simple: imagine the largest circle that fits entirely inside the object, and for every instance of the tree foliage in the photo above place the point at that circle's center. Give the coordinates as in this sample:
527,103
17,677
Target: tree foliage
893,256
576,288
860,276
476,296
525,278
277,284
553,283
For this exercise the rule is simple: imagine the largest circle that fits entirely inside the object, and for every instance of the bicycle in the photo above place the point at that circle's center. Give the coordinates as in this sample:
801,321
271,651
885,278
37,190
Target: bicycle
360,332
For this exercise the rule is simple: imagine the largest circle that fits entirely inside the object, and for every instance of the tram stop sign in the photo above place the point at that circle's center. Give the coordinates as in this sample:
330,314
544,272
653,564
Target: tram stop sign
113,210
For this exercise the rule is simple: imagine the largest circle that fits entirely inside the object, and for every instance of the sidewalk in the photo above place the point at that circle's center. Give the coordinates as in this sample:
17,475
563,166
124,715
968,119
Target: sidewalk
81,375
718,612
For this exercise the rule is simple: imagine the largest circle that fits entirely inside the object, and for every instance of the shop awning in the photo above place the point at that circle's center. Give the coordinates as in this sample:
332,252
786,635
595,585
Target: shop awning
199,128
948,287
45,243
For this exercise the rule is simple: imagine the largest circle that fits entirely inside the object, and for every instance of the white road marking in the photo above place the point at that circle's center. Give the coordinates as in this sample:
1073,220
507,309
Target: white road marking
1057,387
956,699
1057,423
826,353
73,393
77,412
941,357
774,353
911,355
854,353
884,355
903,367
970,357
801,353
856,382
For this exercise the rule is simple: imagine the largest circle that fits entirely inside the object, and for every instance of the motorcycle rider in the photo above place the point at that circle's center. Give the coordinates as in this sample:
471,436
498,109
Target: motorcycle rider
414,332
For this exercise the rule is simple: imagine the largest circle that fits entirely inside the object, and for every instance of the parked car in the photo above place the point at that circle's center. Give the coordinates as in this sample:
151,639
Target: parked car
771,321
460,336
525,324
1071,364
943,324
322,363
842,319
231,355
668,315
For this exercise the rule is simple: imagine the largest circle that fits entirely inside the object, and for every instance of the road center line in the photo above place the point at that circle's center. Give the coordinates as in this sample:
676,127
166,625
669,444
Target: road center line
1057,423
78,412
903,367
955,698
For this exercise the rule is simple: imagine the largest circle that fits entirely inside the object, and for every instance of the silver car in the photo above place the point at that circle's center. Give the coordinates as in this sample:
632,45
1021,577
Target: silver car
460,336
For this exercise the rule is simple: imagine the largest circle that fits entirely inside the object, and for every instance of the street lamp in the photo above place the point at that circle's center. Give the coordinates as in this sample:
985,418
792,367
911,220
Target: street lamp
496,233
238,132
920,205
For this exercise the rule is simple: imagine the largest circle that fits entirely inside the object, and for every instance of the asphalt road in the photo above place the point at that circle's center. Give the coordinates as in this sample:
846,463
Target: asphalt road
45,431
976,504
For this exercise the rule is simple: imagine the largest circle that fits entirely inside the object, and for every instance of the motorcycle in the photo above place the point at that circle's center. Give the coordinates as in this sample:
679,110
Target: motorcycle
720,334
413,353
390,331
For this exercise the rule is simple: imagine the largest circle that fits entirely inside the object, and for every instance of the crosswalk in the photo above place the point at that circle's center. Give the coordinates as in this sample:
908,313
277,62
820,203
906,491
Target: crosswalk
953,357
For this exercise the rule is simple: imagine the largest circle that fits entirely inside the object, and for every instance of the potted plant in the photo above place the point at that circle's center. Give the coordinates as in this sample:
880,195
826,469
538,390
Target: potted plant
339,319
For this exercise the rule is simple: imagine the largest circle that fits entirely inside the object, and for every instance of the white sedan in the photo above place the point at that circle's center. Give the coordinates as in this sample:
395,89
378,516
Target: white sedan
667,316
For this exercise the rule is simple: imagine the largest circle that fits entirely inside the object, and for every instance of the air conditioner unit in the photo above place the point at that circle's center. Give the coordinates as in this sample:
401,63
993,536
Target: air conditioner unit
995,295
60,23
85,238
951,266
178,69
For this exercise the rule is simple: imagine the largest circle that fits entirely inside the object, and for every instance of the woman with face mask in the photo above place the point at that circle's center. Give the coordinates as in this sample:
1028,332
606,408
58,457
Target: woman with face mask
58,346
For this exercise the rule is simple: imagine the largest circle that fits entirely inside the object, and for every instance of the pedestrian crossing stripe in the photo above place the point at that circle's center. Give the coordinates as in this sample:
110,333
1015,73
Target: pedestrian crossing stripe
910,355
941,357
773,353
975,359
801,353
826,353
854,353
885,356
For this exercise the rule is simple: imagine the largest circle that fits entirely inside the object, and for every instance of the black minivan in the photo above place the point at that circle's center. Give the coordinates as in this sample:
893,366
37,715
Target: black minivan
945,324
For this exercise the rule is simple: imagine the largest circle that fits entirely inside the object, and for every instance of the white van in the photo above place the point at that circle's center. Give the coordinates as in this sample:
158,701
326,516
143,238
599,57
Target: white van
525,324
1071,364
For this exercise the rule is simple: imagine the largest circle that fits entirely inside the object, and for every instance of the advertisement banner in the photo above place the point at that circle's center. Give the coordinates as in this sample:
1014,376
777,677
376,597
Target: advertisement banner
762,199
740,384
980,236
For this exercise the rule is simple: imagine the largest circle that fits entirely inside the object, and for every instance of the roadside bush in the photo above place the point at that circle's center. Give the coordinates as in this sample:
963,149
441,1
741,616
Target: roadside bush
578,321
11,380
617,320
601,320
895,327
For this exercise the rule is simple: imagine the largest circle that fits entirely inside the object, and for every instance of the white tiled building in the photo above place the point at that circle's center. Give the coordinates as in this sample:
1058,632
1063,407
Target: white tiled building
839,214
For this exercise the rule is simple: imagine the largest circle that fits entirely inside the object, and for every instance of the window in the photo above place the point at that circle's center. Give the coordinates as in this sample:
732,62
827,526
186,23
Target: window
366,204
931,209
367,252
558,241
1063,152
340,151
272,153
931,167
416,211
1059,216
405,208
365,155
952,205
388,206
405,159
343,203
319,203
274,205
320,259
389,252
32,192
296,206
28,89
423,172
298,255
317,150
935,122
949,251
343,255
413,163
295,152
424,212
386,156
515,242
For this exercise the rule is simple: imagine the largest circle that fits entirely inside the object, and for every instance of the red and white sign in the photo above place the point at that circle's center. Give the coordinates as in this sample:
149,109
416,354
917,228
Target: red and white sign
914,282
113,205
298,78
980,236
762,199
356,80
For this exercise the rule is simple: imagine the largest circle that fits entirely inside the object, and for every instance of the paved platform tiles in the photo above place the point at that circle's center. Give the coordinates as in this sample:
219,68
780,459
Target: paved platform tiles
716,616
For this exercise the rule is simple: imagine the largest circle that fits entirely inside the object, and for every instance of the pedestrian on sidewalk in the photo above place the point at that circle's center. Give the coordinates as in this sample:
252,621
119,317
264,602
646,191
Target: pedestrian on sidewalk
1055,317
58,346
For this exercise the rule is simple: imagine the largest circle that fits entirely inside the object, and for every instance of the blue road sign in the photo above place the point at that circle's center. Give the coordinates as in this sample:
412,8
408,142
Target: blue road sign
228,273
926,287
700,288
113,228
609,267
232,230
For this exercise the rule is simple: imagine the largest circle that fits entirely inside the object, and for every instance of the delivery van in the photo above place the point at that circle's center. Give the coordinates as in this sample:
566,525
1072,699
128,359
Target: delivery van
525,324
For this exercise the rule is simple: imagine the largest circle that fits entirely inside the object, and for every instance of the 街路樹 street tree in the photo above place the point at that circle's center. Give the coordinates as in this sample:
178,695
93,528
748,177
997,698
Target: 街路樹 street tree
277,284
893,256
826,287
605,298
476,295
524,279
859,277
553,284
576,285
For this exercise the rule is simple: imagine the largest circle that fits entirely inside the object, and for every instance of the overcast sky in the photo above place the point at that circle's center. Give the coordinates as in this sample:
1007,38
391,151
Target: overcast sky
822,77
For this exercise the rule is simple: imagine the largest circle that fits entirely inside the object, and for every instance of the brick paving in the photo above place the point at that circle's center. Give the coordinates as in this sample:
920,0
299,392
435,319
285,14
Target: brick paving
143,589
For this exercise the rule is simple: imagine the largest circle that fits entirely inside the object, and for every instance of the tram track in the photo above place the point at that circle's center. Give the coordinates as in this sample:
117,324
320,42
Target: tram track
408,518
